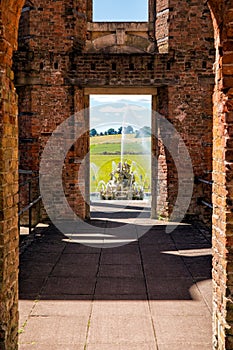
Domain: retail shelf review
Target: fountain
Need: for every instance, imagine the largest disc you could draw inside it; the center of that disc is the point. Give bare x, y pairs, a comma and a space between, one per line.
114, 166
94, 177
122, 184
94, 169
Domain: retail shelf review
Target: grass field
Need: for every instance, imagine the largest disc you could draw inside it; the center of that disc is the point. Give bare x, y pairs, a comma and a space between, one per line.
111, 144
106, 154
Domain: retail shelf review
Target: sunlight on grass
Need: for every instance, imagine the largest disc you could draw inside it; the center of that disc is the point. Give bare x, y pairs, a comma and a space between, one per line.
106, 154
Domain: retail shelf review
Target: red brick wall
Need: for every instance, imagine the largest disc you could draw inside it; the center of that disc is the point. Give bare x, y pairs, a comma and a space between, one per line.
162, 25
53, 66
190, 109
9, 16
48, 32
222, 177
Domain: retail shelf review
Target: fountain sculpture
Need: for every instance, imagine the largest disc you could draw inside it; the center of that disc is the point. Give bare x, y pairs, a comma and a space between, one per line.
122, 185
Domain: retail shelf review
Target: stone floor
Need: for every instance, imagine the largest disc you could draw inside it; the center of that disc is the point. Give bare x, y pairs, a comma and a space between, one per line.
152, 293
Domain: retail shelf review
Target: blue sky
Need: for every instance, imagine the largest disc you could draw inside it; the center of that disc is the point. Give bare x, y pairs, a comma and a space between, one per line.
134, 108
120, 10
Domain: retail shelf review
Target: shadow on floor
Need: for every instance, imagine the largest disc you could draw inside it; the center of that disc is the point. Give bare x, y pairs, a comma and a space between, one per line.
159, 266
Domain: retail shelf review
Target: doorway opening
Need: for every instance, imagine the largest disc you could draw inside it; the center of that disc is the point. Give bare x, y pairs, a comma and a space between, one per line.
120, 154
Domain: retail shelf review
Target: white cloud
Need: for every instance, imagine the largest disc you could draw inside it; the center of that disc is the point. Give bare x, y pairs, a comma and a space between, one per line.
110, 110
120, 98
94, 119
126, 108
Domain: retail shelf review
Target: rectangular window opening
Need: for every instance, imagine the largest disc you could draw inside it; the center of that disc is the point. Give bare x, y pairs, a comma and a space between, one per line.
120, 11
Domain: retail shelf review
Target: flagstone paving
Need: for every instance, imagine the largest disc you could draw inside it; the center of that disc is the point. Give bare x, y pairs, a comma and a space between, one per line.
153, 293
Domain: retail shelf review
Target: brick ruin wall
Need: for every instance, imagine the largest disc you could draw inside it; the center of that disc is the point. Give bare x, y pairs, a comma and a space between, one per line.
52, 63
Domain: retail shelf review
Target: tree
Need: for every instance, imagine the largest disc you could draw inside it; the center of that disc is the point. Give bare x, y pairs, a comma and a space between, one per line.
120, 131
93, 132
111, 131
128, 130
145, 131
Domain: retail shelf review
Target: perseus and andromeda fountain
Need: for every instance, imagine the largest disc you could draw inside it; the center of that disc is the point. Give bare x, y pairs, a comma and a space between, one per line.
122, 184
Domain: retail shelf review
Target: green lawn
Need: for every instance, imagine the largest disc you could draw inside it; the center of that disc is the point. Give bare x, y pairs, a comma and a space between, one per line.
111, 144
115, 148
105, 155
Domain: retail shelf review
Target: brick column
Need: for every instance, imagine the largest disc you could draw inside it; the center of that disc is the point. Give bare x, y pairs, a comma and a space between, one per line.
8, 213
223, 181
81, 155
9, 14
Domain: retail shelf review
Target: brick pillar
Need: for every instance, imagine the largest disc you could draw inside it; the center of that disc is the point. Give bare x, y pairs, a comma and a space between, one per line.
9, 14
162, 25
223, 180
189, 107
8, 213
81, 154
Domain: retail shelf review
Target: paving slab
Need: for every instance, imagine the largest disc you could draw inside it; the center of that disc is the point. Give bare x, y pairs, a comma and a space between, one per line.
72, 308
75, 248
205, 288
185, 346
121, 307
171, 288
75, 270
29, 288
165, 269
65, 297
190, 329
130, 248
79, 259
120, 329
179, 308
69, 285
25, 308
43, 346
53, 330
35, 270
119, 286
38, 257
121, 259
117, 270
126, 346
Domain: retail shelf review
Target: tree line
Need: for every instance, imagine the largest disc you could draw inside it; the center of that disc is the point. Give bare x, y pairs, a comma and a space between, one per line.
145, 131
